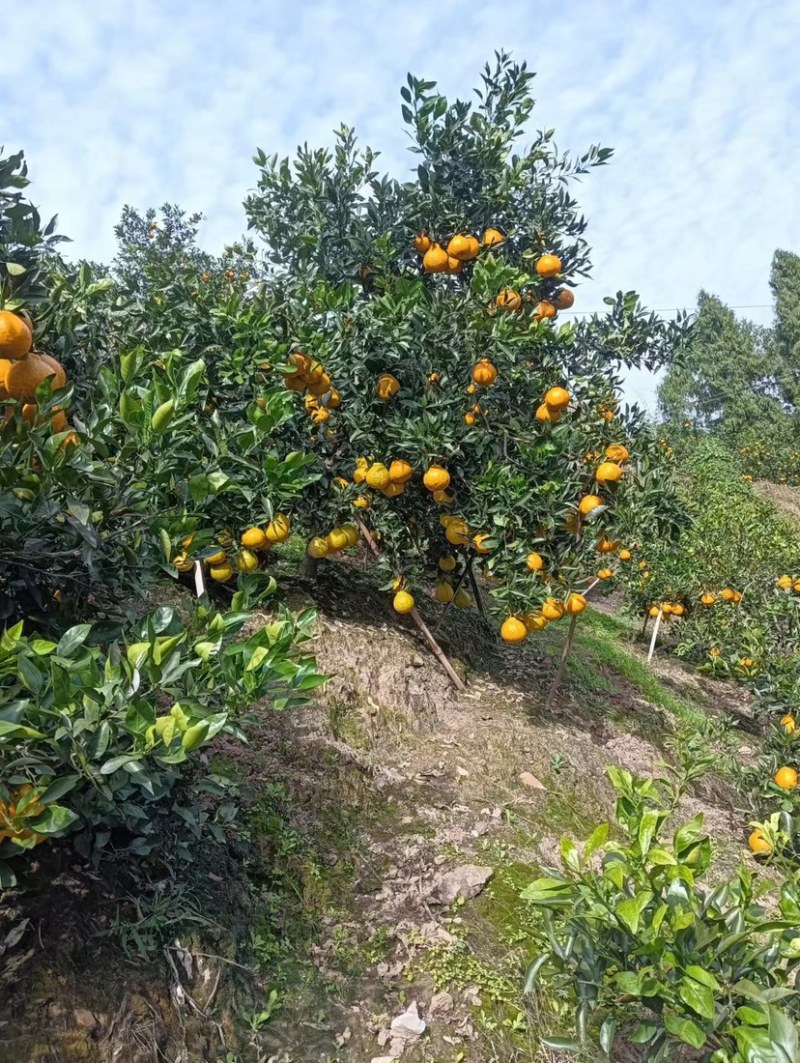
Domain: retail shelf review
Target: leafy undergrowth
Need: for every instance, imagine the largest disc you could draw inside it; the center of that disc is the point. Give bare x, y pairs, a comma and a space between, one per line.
321, 918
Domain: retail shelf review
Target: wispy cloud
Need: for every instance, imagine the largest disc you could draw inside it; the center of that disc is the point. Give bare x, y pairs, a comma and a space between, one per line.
152, 101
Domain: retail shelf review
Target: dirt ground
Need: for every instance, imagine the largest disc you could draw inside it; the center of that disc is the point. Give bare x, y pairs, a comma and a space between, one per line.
385, 832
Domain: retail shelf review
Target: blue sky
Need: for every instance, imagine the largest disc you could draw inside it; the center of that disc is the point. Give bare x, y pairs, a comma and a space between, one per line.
153, 100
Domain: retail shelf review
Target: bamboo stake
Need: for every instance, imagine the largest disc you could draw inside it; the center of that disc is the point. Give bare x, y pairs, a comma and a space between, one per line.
562, 663
656, 627
438, 652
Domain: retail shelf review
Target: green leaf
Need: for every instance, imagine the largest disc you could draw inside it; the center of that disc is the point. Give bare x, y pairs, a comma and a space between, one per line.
72, 639
547, 891
783, 1035
703, 977
699, 997
15, 269
630, 910
116, 763
58, 788
595, 840
685, 1030
53, 820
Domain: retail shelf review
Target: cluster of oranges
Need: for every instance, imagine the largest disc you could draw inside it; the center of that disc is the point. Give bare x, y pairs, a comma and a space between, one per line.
222, 563
388, 480
342, 537
788, 583
461, 248
307, 375
23, 369
727, 595
556, 401
515, 629
667, 609
786, 778
444, 592
13, 814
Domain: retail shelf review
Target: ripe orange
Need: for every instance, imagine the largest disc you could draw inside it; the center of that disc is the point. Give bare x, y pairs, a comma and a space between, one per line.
759, 844
608, 472
183, 562
786, 778
320, 385
552, 609
352, 533
422, 242
221, 573
784, 582
605, 573
277, 531
362, 502
484, 373
492, 237
607, 546
454, 265
378, 476
436, 478
534, 562
457, 532
60, 377
469, 418
15, 336
254, 539
478, 542
557, 399
544, 413
400, 471
443, 498
707, 598
246, 561
318, 547
392, 490
334, 400
388, 386
513, 630
737, 597
617, 452
508, 300
726, 594
746, 662
789, 724
678, 609
435, 259
563, 299
575, 604
25, 375
544, 310
534, 622
403, 602
320, 416
463, 247
624, 555
548, 266
653, 611
58, 422
294, 382
589, 503
337, 539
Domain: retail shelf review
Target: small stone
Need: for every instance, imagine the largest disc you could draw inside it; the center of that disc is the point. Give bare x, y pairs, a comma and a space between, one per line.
527, 779
417, 661
85, 1018
440, 1004
408, 1026
466, 881
471, 996
383, 1059
462, 772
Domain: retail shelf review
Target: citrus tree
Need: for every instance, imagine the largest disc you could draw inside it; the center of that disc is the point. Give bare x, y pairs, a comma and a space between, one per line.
451, 409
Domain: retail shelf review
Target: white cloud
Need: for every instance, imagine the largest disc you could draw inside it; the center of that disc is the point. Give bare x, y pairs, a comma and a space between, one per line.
158, 100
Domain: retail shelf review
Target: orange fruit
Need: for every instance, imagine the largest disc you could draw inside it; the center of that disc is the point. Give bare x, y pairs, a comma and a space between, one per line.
484, 373
746, 662
436, 478
678, 609
278, 529
457, 532
422, 242
447, 564
443, 593
617, 452
388, 386
608, 472
534, 622
789, 724
58, 422
463, 247
607, 546
544, 413
653, 611
23, 377
552, 609
294, 382
759, 844
605, 573
508, 300
589, 503
454, 265
784, 582
60, 377
726, 594
15, 336
378, 476
563, 299
469, 419
534, 562
492, 237
624, 555
254, 539
318, 547
337, 540
392, 490
513, 630
574, 604
320, 385
400, 471
786, 778
246, 561
362, 502
435, 259
463, 599
707, 598
221, 573
544, 310
548, 266
334, 400
737, 597
403, 602
443, 498
479, 540
557, 399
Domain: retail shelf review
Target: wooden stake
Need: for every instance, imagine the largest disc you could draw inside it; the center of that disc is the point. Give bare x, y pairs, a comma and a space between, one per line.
654, 636
562, 663
438, 652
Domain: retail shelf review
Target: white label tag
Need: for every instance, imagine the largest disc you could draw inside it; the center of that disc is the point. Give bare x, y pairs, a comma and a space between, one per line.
199, 581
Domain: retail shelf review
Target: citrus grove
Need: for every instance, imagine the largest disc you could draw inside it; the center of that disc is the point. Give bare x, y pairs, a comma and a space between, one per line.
398, 372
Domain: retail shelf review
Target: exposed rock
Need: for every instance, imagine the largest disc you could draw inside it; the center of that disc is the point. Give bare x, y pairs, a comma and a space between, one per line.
466, 881
527, 779
440, 1004
85, 1018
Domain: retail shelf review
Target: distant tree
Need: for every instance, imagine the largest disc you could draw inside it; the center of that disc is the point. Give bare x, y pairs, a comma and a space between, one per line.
785, 284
